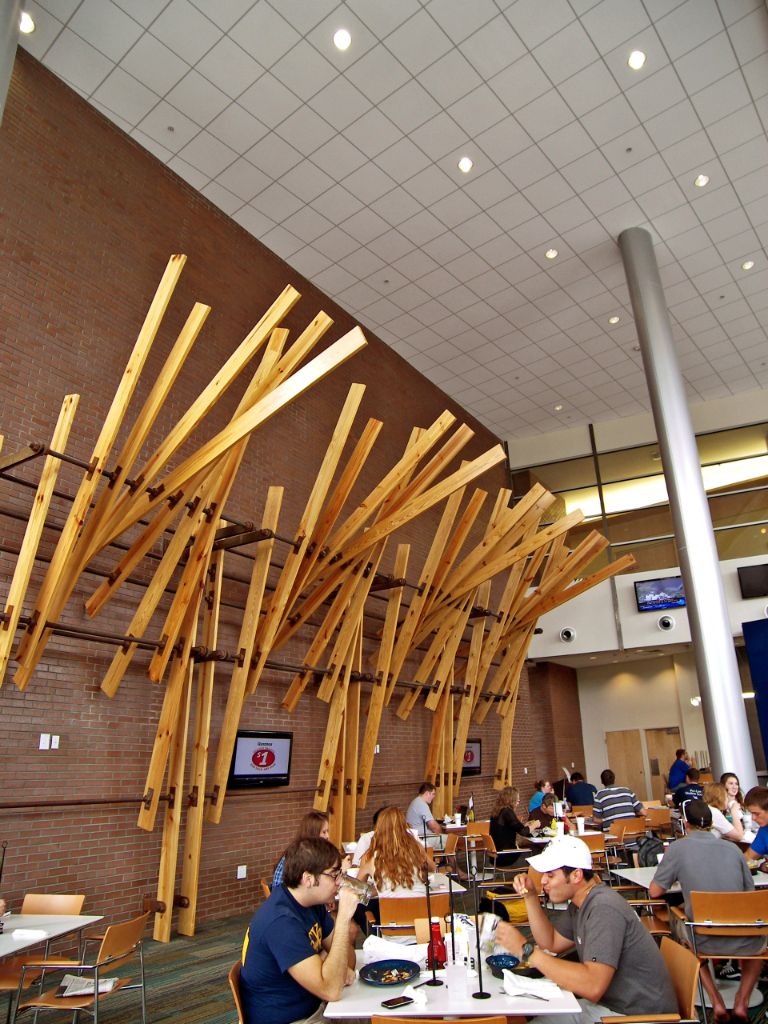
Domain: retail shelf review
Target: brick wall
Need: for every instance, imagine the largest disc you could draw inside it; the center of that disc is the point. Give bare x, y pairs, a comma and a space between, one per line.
88, 223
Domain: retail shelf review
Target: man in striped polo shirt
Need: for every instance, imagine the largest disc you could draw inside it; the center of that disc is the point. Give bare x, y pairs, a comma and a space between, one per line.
614, 801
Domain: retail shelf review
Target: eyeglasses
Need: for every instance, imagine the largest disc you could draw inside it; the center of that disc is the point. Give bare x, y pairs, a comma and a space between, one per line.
335, 875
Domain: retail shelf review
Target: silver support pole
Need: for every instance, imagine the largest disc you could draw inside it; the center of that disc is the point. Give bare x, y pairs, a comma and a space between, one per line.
725, 718
10, 12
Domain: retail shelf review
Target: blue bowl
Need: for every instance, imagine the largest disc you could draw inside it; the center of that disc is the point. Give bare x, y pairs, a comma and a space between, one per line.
500, 962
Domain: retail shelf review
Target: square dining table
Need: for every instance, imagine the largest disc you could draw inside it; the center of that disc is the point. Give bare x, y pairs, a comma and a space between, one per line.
363, 1000
25, 931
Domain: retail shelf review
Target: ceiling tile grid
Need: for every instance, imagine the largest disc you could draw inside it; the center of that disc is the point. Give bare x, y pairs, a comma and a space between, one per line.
499, 284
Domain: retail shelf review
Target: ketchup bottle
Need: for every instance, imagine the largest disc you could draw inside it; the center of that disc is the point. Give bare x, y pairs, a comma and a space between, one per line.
436, 955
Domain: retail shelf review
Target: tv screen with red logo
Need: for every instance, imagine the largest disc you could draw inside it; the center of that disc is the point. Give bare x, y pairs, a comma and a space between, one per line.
472, 758
261, 759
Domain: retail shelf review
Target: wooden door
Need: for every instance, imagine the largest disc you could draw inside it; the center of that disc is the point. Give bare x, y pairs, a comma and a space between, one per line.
661, 745
625, 759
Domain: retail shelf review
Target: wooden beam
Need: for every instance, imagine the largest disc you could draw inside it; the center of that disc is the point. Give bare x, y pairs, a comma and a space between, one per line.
34, 530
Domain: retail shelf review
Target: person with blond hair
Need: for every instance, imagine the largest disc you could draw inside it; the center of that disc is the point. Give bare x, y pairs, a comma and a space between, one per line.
716, 798
396, 861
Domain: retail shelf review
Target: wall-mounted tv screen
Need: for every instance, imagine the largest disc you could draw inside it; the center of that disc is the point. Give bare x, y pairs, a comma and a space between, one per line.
656, 595
753, 580
472, 757
260, 759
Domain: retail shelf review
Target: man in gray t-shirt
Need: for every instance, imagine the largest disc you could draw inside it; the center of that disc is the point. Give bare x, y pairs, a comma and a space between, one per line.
620, 969
703, 862
419, 816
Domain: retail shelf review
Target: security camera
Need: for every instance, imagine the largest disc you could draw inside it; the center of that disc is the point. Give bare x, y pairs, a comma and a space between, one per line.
567, 634
665, 623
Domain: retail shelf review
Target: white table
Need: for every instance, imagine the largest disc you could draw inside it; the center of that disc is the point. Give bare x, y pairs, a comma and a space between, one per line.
361, 1000
47, 927
642, 877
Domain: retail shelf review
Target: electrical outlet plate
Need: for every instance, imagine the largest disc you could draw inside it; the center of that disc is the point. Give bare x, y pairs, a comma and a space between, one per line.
45, 741
242, 871
54, 742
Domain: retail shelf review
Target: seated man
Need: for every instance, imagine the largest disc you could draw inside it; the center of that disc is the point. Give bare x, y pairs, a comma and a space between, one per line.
579, 791
419, 817
620, 969
702, 863
756, 803
679, 768
294, 958
691, 789
614, 801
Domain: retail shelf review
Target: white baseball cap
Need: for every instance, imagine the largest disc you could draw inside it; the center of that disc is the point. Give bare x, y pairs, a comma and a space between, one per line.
563, 852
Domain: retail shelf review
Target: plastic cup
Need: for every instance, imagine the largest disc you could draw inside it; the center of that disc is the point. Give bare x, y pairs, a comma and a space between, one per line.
457, 818
580, 823
560, 828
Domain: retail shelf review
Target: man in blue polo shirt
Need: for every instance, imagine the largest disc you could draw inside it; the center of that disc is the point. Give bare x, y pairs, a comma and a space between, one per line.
756, 802
679, 768
294, 959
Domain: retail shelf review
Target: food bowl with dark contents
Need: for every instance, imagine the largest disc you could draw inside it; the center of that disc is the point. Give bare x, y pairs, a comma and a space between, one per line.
389, 972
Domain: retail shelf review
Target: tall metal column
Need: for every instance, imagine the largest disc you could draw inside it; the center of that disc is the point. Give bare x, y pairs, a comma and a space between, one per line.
10, 12
725, 718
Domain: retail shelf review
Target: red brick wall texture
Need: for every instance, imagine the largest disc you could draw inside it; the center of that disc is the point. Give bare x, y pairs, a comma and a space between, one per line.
88, 223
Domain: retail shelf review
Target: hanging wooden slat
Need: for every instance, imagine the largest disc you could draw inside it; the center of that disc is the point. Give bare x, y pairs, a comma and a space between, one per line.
246, 648
34, 530
193, 831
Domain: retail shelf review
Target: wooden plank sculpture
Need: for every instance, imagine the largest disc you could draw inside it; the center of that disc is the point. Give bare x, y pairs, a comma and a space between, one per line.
466, 647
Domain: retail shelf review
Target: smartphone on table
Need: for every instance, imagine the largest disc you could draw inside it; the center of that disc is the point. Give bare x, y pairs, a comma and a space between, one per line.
396, 1001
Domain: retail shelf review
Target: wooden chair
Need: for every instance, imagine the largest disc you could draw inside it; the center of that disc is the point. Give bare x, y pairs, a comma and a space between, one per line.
35, 903
121, 942
234, 984
628, 833
581, 810
727, 914
398, 913
683, 969
266, 888
478, 828
659, 821
441, 856
492, 858
421, 928
513, 904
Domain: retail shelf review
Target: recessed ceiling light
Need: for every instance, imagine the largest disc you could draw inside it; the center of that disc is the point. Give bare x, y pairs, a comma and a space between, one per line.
613, 319
559, 407
747, 264
701, 180
341, 39
636, 60
551, 254
26, 24
465, 165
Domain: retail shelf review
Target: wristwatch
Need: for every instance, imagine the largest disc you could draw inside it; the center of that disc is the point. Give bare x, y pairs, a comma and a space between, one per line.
528, 948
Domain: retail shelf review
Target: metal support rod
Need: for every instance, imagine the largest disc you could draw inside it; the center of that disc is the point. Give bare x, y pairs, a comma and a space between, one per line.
725, 718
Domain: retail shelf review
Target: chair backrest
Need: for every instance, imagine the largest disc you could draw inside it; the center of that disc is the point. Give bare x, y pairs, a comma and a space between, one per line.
51, 903
403, 910
265, 888
731, 908
421, 927
683, 968
234, 984
658, 815
451, 842
379, 1018
478, 828
623, 828
582, 810
120, 940
595, 843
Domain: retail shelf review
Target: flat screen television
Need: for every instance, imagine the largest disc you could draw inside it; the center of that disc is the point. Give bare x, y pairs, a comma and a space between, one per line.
473, 754
753, 580
656, 595
260, 759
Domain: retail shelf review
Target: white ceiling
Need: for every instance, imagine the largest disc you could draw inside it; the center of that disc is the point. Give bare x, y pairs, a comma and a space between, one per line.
345, 164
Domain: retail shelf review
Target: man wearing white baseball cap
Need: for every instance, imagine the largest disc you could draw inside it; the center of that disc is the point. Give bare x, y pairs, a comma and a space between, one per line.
619, 970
